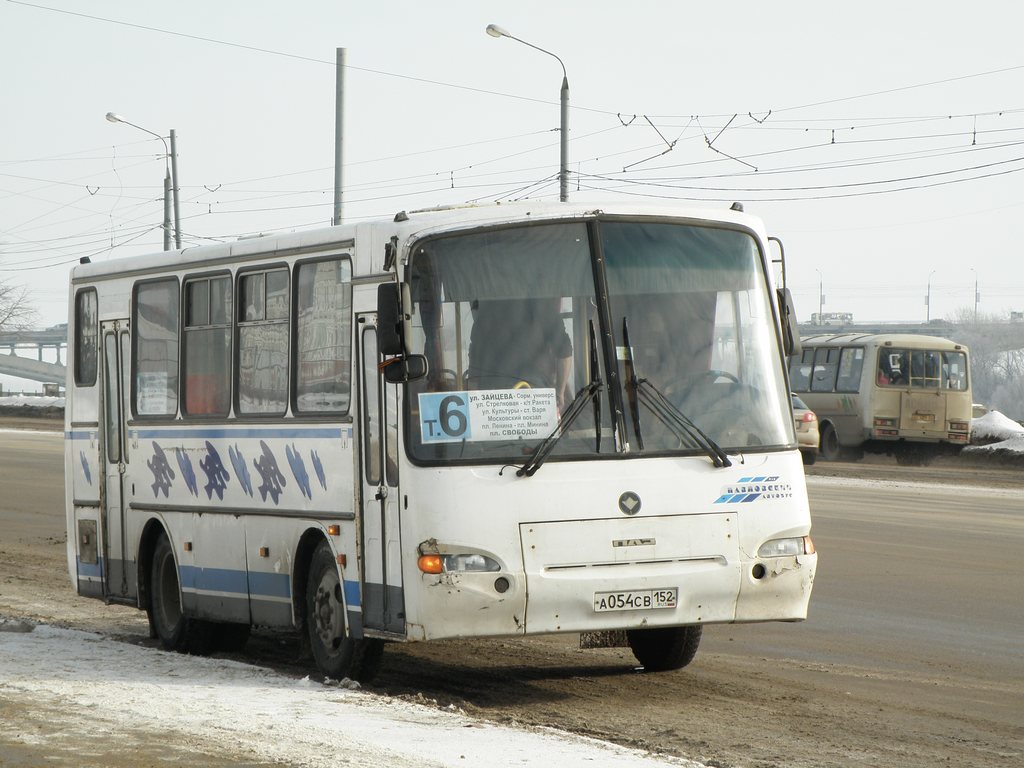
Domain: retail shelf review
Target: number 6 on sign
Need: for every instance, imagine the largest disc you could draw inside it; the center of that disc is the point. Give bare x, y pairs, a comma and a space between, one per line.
444, 417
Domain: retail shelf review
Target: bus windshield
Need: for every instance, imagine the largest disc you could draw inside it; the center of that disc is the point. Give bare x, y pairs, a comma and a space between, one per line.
513, 328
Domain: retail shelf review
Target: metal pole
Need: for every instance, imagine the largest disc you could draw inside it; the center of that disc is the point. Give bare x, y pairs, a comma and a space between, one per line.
928, 299
563, 169
977, 298
339, 131
821, 296
167, 211
563, 174
174, 187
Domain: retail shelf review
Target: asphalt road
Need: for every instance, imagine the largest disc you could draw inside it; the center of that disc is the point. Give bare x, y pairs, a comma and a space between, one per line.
913, 654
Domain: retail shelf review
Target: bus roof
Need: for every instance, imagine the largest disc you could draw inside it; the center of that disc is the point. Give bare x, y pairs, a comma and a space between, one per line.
915, 340
407, 225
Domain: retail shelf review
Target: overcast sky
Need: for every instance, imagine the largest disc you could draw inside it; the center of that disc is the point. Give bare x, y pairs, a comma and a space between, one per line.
880, 140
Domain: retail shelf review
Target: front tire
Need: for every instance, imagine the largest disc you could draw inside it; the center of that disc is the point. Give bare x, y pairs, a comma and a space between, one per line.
336, 655
665, 648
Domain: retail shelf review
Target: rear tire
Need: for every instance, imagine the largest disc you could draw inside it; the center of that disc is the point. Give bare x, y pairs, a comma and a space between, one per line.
830, 448
809, 457
336, 655
173, 629
667, 648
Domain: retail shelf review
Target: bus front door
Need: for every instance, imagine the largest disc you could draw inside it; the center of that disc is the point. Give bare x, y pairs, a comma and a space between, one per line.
383, 596
116, 348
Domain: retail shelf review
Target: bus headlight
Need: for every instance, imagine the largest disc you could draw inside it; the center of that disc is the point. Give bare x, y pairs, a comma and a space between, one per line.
473, 563
790, 547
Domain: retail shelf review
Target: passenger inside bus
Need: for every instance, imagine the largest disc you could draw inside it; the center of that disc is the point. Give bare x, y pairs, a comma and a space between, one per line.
519, 343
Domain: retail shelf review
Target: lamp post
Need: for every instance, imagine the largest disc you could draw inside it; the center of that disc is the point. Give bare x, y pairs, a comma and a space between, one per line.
977, 296
170, 181
821, 296
928, 299
563, 172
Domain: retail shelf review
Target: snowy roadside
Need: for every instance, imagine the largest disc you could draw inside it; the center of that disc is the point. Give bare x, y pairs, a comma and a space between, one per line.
93, 688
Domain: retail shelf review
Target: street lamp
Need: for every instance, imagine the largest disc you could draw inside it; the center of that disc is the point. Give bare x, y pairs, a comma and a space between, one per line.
563, 173
170, 181
928, 299
977, 296
821, 296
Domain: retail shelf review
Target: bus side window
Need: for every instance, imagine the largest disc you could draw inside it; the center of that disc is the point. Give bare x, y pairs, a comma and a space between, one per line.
86, 338
155, 354
207, 358
800, 370
851, 363
826, 365
323, 336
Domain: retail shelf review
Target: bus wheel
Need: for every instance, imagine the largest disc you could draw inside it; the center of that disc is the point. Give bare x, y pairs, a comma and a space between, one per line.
665, 648
830, 448
174, 631
336, 655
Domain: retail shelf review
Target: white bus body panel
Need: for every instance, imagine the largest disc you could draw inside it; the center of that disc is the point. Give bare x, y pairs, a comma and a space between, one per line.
577, 543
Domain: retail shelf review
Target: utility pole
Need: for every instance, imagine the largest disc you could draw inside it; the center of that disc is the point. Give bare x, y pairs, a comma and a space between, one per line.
339, 130
174, 189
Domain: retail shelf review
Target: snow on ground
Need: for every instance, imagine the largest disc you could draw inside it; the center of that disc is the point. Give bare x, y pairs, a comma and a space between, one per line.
237, 709
1002, 435
31, 401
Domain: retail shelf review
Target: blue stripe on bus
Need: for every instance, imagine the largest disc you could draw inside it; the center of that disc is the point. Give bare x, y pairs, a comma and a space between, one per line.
221, 432
79, 435
352, 596
94, 570
257, 584
213, 579
270, 584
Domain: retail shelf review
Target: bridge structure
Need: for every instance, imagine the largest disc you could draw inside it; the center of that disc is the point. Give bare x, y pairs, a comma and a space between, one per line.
25, 349
1006, 337
22, 352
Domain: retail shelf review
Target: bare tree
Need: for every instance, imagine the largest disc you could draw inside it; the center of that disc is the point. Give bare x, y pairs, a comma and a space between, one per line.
16, 313
997, 372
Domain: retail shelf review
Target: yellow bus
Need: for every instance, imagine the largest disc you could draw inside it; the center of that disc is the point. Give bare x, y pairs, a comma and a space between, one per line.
904, 395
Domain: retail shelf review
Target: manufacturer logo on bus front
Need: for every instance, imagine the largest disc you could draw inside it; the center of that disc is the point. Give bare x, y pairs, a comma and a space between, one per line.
748, 489
629, 503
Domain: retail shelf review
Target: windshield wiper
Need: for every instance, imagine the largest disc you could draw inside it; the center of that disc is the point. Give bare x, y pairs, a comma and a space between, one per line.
590, 391
682, 426
632, 385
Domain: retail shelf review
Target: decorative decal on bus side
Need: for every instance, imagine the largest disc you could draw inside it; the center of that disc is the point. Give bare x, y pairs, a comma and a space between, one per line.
273, 480
85, 467
162, 472
241, 471
189, 474
298, 470
216, 475
748, 489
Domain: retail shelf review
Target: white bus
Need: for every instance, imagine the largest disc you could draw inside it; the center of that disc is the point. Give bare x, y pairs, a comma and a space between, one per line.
495, 421
900, 394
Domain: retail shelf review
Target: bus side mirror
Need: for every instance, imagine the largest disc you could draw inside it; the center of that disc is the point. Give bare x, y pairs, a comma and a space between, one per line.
400, 370
790, 331
390, 320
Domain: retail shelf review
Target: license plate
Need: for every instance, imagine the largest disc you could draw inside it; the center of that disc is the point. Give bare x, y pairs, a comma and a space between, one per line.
636, 600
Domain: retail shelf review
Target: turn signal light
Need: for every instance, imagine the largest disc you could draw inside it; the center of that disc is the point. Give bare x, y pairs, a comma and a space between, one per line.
430, 563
